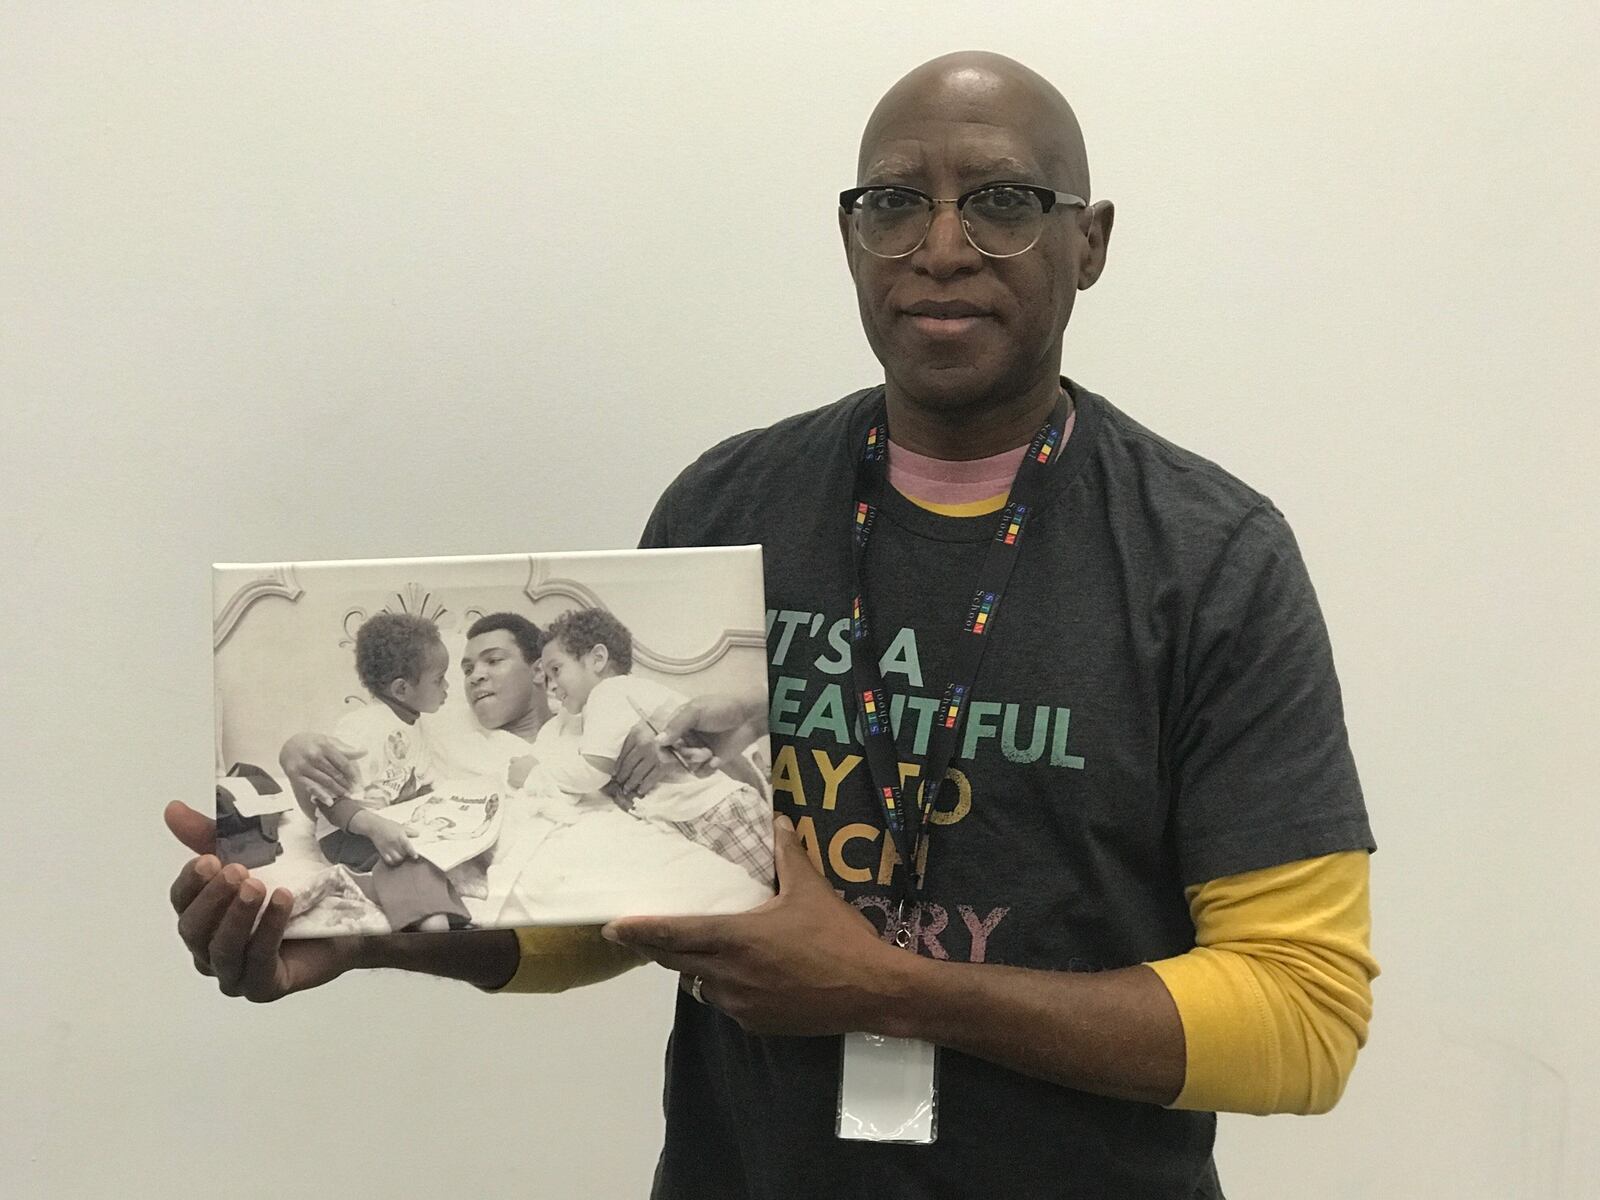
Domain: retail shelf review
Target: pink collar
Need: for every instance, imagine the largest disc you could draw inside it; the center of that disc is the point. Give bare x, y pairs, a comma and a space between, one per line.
942, 481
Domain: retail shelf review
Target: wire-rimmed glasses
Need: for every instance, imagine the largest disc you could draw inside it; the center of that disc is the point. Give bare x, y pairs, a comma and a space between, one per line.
1001, 220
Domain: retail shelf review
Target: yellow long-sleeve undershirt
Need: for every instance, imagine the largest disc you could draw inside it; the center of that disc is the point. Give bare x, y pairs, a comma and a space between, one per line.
1276, 996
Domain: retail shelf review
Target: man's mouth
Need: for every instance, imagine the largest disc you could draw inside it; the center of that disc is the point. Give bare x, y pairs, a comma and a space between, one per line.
946, 309
476, 696
945, 318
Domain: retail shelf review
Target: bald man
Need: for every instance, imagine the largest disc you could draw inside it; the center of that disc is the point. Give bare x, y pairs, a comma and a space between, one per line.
1139, 894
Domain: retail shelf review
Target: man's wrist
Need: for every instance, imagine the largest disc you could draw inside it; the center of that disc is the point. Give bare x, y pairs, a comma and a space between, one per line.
897, 994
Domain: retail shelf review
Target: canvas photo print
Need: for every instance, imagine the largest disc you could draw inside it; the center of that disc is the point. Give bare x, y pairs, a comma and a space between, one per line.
466, 743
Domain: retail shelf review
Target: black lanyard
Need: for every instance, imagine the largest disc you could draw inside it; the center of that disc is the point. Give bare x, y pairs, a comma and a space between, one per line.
883, 758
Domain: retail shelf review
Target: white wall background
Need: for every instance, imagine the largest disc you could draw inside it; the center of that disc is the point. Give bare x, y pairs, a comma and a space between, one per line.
322, 280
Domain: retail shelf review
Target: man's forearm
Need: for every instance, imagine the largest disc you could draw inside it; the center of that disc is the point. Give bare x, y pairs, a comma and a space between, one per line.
1115, 1033
486, 958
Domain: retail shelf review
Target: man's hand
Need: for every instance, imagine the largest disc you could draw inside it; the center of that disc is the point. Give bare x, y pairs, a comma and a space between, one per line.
706, 733
643, 762
320, 767
394, 847
217, 908
803, 964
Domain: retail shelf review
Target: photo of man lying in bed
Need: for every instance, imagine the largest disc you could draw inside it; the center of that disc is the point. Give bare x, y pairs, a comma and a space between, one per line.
489, 771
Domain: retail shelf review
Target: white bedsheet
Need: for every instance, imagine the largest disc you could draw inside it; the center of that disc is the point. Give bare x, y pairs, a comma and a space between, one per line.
588, 863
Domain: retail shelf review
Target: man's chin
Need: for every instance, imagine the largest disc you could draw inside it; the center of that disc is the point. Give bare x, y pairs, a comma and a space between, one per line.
952, 389
489, 714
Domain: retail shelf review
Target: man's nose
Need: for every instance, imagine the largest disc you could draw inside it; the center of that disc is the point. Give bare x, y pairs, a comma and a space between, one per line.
946, 250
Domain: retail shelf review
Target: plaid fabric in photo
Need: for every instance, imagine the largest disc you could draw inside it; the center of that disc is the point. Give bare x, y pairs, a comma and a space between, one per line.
727, 829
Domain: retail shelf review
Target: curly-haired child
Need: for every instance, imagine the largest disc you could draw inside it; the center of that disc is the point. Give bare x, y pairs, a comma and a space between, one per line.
402, 662
588, 659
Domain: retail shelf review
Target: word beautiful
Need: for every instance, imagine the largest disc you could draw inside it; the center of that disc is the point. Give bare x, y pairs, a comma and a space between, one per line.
804, 706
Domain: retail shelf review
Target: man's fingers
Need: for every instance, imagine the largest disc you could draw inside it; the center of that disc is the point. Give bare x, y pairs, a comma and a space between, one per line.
680, 724
227, 949
708, 986
704, 965
191, 881
321, 783
197, 924
695, 756
637, 772
261, 980
338, 759
350, 752
670, 935
195, 830
339, 778
795, 868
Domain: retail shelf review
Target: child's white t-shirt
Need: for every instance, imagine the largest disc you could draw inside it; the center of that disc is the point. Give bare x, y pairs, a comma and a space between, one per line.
394, 751
561, 760
611, 712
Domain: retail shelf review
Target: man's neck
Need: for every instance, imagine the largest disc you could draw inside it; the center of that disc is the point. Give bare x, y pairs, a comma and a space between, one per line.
527, 726
979, 430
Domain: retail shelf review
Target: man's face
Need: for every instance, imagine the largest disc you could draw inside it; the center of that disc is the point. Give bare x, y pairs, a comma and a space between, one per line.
953, 327
429, 692
501, 684
572, 677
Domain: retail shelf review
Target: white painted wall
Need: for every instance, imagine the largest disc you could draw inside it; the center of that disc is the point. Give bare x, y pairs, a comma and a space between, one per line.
309, 281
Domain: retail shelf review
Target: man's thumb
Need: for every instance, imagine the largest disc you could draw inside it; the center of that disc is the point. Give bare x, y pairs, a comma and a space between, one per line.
795, 868
195, 830
679, 725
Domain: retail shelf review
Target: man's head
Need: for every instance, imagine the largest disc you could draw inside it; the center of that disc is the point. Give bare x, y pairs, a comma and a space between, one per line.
501, 666
402, 658
585, 646
954, 328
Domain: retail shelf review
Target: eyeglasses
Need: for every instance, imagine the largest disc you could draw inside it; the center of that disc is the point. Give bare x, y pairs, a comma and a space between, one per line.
1001, 220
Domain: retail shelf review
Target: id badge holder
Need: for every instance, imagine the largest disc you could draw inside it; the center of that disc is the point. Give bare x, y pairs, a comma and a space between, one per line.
888, 1086
888, 1090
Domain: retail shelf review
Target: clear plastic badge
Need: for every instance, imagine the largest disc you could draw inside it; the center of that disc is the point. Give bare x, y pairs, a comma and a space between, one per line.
888, 1090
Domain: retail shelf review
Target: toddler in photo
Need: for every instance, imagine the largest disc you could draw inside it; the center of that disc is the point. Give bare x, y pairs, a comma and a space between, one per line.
402, 662
588, 659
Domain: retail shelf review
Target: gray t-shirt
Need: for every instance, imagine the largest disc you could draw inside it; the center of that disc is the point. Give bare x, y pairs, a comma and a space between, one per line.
1157, 707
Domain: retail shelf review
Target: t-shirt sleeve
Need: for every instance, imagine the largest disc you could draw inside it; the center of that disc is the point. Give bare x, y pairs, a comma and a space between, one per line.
1260, 754
608, 716
657, 535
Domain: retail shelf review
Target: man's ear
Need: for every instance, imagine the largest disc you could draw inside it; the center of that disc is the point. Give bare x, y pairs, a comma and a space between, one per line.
1095, 241
849, 242
599, 656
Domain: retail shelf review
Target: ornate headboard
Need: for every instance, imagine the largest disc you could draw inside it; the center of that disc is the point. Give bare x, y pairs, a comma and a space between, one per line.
283, 634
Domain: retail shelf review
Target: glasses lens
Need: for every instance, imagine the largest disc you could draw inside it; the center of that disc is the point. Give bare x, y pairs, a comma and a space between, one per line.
891, 221
1003, 220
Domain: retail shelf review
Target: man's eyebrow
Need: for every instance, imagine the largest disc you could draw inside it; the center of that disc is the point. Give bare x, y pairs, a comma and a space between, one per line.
1003, 167
985, 170
890, 168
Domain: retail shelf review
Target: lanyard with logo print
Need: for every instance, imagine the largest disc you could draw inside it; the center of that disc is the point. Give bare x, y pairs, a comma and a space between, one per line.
888, 1087
906, 811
